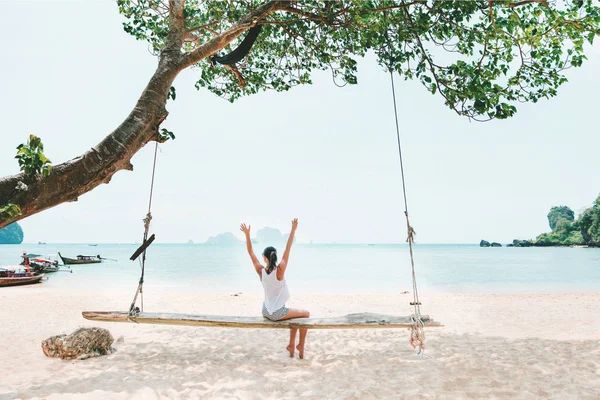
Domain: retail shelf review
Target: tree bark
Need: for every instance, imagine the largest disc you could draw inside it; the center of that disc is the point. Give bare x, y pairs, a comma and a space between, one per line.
71, 179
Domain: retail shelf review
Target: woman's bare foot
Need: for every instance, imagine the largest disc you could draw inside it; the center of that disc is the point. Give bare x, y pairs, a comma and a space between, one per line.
290, 348
300, 351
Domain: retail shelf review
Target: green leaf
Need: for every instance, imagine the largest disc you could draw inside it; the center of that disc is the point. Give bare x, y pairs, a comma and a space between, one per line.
166, 134
31, 158
10, 211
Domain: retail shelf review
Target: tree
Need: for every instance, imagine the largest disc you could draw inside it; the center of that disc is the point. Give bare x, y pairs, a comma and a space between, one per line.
567, 232
589, 224
560, 239
564, 225
564, 230
482, 57
560, 212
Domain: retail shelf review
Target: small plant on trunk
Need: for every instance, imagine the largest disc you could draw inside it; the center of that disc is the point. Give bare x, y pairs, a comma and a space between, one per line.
32, 159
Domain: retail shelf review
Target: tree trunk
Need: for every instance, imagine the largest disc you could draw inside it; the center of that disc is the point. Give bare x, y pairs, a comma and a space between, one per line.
69, 180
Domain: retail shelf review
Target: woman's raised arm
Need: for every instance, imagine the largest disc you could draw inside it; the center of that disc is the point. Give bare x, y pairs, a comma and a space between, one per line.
255, 262
286, 254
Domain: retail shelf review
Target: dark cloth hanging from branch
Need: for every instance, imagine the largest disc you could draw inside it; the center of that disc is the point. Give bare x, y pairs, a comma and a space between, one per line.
241, 51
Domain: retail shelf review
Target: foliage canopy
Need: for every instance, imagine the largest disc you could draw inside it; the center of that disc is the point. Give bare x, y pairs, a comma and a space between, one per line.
482, 56
560, 212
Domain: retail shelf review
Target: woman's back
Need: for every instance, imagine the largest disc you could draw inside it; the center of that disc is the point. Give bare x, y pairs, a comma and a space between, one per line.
276, 291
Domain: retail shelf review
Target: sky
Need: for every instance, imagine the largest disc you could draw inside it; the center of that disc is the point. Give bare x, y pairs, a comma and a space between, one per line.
324, 154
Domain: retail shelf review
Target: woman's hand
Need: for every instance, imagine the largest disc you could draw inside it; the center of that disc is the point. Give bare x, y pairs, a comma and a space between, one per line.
294, 224
245, 229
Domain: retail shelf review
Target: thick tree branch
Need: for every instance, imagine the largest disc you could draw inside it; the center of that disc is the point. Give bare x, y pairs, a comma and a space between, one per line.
218, 42
71, 179
176, 26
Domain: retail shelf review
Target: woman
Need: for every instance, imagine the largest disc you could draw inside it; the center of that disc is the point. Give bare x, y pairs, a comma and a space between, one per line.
276, 291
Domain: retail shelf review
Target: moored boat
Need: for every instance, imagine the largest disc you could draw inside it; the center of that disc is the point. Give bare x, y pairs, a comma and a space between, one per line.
80, 259
39, 264
18, 275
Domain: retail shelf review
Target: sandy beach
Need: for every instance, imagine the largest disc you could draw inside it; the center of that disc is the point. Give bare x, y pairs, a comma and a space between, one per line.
492, 346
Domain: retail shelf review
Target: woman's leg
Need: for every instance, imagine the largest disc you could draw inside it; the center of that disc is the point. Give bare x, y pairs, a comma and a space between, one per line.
300, 346
297, 313
290, 346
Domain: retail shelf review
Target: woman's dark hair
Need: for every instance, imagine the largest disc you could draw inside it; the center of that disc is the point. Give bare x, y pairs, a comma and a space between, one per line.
271, 254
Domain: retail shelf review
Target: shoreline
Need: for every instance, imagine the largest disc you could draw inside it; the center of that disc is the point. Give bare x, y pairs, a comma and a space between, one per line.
491, 345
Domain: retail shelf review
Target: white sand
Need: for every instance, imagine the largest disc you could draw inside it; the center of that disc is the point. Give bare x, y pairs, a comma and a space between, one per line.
492, 346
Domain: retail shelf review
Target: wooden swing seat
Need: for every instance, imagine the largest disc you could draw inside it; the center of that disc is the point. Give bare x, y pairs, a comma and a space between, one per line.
350, 321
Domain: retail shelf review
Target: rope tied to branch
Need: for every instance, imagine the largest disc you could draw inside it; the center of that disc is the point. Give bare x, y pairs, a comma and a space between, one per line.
133, 310
417, 331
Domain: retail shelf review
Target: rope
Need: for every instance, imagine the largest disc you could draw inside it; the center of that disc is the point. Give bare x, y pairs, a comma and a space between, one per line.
133, 310
417, 331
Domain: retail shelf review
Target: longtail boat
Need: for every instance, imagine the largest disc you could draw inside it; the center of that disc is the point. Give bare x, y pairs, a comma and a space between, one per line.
81, 259
39, 263
19, 275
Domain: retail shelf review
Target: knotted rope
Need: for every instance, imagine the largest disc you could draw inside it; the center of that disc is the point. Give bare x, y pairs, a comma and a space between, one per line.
133, 310
417, 331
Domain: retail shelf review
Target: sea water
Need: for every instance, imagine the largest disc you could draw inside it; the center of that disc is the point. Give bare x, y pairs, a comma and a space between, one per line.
329, 268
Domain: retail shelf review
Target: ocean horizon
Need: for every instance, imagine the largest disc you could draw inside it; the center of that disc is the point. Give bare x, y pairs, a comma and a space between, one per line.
329, 268
254, 243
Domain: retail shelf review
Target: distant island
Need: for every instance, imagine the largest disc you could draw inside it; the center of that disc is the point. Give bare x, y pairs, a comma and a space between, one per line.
12, 234
568, 231
269, 236
226, 238
266, 236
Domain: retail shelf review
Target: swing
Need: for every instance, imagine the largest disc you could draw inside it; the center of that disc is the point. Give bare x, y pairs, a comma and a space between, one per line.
350, 321
415, 322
